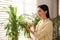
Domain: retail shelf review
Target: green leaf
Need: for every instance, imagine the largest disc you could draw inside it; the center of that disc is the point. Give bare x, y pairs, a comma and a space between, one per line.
26, 33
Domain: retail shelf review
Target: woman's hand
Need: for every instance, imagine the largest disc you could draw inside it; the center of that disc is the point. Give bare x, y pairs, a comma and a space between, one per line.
29, 29
31, 24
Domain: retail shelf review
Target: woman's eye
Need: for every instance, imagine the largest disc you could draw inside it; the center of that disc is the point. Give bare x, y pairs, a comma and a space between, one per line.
39, 11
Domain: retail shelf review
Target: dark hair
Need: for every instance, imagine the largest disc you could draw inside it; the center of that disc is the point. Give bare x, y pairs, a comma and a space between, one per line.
45, 8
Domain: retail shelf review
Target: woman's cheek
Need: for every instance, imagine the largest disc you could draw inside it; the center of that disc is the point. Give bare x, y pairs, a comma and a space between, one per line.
38, 13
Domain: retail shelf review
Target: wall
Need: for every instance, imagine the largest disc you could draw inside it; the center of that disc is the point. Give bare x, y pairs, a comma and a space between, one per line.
59, 7
59, 14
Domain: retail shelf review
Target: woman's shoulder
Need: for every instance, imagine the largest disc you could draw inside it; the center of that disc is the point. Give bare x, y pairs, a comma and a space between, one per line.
50, 21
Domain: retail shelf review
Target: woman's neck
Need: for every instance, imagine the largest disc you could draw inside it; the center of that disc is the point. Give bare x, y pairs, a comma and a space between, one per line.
44, 18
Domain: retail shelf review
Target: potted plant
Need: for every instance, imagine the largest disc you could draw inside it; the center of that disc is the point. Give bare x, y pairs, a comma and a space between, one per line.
12, 28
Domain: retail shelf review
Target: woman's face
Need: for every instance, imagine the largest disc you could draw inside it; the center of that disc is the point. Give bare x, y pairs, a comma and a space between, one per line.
41, 12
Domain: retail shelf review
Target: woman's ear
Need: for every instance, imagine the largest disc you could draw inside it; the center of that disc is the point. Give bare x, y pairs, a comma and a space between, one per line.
45, 11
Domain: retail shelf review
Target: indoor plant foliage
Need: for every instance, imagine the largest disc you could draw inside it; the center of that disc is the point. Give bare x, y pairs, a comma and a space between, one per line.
23, 25
56, 21
24, 22
12, 26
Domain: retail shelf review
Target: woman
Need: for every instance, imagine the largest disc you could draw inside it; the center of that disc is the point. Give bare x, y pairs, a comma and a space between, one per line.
44, 28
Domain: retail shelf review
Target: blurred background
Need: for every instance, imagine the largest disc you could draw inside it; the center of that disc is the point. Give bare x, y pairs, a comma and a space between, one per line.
28, 7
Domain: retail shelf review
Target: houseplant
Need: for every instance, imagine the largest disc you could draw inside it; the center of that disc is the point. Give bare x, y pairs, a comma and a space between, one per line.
25, 24
12, 26
56, 23
15, 24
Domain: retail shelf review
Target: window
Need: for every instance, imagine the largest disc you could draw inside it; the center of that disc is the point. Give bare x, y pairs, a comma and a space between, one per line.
25, 6
3, 18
